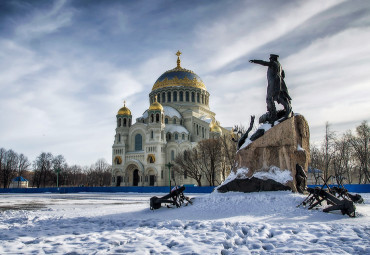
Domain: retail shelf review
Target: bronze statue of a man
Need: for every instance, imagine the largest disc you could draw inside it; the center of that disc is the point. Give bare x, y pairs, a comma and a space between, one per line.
276, 89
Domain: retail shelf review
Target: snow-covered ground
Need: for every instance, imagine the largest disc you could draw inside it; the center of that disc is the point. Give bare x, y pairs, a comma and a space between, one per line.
231, 223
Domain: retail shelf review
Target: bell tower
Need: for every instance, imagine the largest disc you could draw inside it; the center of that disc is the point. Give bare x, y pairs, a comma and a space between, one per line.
124, 121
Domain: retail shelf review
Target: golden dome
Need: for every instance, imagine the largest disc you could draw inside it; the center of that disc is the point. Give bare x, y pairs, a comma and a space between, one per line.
179, 77
156, 106
215, 127
124, 110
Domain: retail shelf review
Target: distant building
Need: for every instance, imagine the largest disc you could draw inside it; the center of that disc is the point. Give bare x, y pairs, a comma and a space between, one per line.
178, 117
19, 182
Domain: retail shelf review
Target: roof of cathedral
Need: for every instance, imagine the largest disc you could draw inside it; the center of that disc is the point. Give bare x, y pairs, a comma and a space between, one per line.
171, 112
124, 110
179, 77
172, 128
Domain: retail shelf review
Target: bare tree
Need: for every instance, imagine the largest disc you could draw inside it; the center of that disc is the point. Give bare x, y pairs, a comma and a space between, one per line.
360, 144
187, 163
23, 165
42, 166
9, 166
317, 162
59, 166
99, 174
343, 163
2, 165
228, 155
210, 157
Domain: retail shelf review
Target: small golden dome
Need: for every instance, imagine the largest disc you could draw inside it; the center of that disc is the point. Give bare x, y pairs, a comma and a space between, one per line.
156, 106
215, 128
124, 110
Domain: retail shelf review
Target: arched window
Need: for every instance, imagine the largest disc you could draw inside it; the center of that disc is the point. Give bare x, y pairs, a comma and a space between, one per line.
166, 120
138, 142
119, 122
152, 118
187, 96
181, 96
124, 122
176, 136
152, 134
192, 97
185, 174
197, 128
168, 96
175, 96
174, 121
198, 98
172, 155
183, 136
168, 136
119, 138
163, 97
159, 98
162, 174
129, 122
157, 117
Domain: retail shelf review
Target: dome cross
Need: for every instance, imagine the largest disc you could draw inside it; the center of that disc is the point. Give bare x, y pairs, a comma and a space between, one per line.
178, 53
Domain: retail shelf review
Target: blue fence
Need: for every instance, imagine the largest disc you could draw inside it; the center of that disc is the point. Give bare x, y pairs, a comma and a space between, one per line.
353, 188
189, 189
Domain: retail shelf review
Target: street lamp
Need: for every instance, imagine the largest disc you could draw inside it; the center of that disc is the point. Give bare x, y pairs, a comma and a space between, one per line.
58, 170
169, 165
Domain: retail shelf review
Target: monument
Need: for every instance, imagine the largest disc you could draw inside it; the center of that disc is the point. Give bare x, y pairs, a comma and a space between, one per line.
276, 156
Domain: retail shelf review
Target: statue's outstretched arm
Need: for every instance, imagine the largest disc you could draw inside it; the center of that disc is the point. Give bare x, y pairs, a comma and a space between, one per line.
260, 62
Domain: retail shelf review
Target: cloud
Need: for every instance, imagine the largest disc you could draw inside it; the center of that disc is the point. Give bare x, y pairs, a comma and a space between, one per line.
66, 67
45, 21
246, 35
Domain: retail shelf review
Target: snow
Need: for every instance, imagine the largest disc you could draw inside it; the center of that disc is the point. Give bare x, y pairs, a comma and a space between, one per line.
206, 119
172, 128
276, 174
145, 115
241, 173
264, 126
230, 223
171, 112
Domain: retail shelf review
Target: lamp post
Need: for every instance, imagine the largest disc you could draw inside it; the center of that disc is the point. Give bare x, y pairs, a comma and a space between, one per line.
58, 170
169, 165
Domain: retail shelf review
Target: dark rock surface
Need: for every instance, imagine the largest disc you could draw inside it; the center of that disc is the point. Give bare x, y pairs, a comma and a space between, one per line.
252, 185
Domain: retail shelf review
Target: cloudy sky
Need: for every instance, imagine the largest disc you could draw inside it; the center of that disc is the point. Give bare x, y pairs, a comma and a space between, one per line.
67, 66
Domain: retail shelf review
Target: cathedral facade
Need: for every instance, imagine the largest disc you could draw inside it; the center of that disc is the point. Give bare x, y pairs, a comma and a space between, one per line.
178, 117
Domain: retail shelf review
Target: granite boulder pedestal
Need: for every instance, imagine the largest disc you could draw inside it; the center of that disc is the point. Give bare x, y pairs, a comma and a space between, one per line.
278, 160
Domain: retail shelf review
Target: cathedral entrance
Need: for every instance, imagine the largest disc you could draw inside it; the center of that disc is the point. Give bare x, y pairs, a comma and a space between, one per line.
119, 180
136, 177
151, 180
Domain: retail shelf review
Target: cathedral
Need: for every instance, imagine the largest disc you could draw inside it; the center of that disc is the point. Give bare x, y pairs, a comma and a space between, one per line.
178, 117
